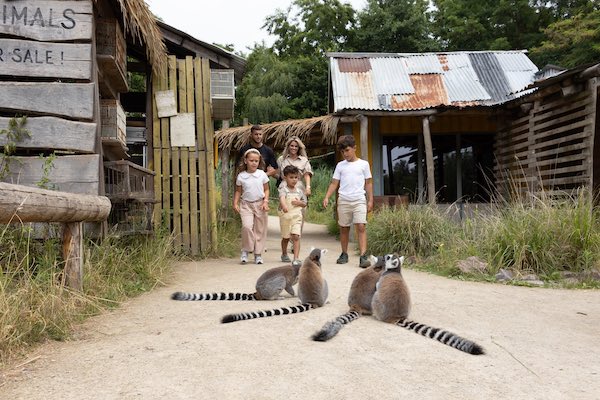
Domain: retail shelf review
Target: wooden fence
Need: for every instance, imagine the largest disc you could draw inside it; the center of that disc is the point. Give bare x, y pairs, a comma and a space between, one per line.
184, 183
28, 204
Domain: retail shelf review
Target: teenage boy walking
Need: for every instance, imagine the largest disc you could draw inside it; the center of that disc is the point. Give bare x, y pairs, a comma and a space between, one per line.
353, 180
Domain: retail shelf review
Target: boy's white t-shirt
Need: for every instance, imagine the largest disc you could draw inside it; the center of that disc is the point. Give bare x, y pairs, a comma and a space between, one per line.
252, 184
352, 177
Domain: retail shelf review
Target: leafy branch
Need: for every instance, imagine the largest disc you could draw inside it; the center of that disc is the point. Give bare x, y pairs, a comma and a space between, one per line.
15, 132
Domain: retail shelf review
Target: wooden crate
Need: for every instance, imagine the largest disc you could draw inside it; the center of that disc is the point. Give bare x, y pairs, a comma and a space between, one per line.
111, 53
124, 180
113, 120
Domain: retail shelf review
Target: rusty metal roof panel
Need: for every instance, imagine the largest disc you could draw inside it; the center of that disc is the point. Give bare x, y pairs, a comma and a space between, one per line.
390, 76
430, 92
352, 90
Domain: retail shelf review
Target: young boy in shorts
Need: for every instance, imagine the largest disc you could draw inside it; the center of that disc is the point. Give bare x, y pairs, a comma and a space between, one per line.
291, 202
353, 178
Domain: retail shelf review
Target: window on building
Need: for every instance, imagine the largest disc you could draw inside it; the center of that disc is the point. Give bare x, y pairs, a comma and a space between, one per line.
401, 159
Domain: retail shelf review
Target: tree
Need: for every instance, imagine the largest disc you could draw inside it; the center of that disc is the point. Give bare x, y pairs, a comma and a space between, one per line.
289, 80
394, 26
570, 42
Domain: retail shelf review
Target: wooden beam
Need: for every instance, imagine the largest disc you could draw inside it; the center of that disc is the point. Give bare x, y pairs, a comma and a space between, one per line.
364, 137
20, 203
429, 161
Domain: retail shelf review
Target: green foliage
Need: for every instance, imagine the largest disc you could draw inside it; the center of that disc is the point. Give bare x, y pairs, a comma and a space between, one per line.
47, 166
570, 42
36, 305
14, 134
400, 26
414, 231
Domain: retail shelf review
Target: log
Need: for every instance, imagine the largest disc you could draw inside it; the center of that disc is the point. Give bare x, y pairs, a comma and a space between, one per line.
429, 161
72, 247
29, 204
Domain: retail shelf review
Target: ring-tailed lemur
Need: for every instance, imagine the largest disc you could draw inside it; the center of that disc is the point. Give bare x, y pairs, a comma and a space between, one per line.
359, 300
391, 303
312, 291
268, 287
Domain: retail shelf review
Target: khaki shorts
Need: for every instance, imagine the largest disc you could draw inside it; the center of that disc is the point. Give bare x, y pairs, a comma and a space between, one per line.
290, 223
351, 212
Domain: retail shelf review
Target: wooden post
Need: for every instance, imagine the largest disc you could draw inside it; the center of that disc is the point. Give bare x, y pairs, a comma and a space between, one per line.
420, 178
72, 254
429, 161
224, 156
364, 137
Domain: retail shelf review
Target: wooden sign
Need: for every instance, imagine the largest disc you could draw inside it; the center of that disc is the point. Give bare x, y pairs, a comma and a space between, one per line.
183, 133
75, 100
166, 103
73, 174
54, 60
47, 20
55, 133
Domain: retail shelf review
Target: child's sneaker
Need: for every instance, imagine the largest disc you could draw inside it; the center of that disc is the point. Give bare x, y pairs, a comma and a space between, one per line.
296, 263
343, 258
364, 261
258, 260
244, 257
285, 258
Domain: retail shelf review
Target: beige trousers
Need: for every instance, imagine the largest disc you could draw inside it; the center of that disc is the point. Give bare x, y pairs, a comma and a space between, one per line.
254, 226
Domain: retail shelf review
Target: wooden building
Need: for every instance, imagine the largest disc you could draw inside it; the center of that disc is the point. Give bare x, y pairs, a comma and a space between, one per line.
92, 77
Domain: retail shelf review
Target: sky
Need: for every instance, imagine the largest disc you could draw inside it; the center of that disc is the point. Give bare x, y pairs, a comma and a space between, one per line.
237, 22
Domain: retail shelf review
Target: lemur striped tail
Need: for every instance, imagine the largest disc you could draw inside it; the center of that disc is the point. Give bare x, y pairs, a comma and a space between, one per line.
266, 313
183, 296
443, 336
331, 328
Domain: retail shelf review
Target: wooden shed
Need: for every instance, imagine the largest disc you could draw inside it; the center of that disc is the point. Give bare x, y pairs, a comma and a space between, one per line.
94, 79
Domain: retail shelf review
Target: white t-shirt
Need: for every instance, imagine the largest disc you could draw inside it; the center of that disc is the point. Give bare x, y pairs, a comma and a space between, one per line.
352, 177
252, 184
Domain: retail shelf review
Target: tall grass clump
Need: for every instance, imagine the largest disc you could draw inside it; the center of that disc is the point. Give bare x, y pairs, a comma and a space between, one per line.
413, 231
36, 305
543, 235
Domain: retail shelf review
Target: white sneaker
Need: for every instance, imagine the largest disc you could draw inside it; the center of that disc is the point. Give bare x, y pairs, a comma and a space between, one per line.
244, 257
258, 260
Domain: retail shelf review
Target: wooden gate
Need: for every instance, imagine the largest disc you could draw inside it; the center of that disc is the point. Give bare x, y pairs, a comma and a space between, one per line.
184, 183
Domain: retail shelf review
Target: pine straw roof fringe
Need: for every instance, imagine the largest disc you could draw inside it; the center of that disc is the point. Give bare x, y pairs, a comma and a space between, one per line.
279, 132
141, 23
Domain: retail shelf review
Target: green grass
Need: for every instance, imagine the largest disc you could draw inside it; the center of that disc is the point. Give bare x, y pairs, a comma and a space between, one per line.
36, 305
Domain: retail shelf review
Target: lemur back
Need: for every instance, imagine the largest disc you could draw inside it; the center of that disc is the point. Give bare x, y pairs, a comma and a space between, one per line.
359, 300
312, 291
268, 287
391, 303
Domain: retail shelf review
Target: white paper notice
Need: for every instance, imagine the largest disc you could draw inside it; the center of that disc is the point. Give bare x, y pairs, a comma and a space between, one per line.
183, 133
165, 103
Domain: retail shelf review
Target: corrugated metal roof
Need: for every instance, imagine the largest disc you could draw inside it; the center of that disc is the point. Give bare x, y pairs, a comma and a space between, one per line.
401, 82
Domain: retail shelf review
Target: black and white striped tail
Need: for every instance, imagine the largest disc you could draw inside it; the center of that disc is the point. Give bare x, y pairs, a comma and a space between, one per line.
266, 313
183, 296
331, 328
441, 335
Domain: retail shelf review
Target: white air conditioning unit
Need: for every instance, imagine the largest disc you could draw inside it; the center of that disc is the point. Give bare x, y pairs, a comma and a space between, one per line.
222, 93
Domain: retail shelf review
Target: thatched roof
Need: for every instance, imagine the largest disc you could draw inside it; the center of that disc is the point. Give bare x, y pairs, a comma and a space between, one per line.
319, 131
139, 21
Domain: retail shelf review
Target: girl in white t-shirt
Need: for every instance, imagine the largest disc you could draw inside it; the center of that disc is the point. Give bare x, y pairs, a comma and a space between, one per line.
251, 201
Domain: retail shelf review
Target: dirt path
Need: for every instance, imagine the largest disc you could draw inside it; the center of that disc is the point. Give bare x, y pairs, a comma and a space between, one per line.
540, 343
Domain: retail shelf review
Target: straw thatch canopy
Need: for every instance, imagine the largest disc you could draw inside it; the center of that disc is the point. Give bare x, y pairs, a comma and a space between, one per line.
314, 132
141, 24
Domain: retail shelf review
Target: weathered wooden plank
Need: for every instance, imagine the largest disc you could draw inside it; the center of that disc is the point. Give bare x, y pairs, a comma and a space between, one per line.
175, 164
588, 111
72, 250
184, 153
75, 100
559, 160
55, 133
20, 203
38, 59
156, 162
568, 180
47, 20
542, 111
193, 162
73, 174
582, 134
209, 140
557, 151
